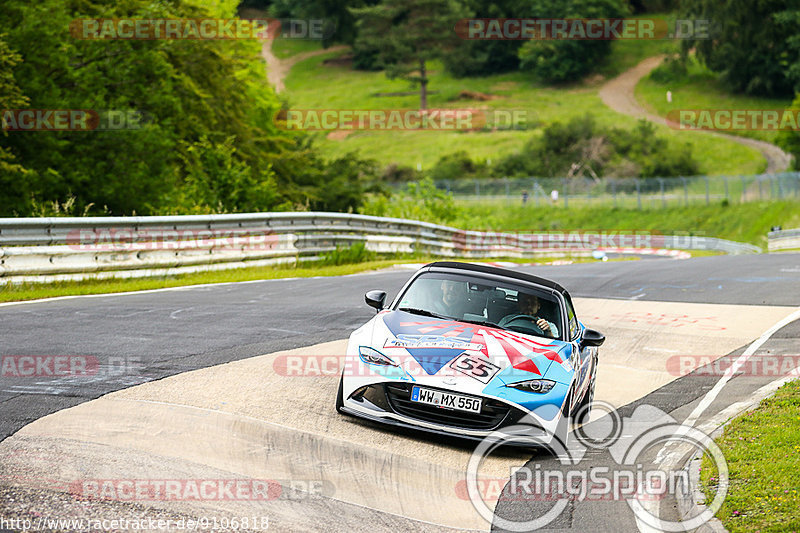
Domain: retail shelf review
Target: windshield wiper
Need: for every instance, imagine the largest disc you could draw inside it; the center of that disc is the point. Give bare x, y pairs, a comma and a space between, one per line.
423, 312
482, 323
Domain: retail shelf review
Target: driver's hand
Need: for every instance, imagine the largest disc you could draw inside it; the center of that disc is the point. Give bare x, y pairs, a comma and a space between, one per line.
544, 325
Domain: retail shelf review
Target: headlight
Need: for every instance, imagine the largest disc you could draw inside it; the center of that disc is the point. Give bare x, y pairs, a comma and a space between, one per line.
541, 386
371, 356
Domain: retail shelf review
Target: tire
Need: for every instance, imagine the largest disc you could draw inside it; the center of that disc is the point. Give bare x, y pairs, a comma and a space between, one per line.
584, 408
339, 396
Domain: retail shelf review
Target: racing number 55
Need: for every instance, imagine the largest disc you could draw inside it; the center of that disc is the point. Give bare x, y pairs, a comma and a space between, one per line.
474, 367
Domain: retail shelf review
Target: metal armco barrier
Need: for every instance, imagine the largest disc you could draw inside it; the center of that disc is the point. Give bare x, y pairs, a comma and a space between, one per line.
788, 239
73, 248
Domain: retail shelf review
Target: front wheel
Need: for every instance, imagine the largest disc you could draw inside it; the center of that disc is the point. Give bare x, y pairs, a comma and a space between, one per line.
584, 408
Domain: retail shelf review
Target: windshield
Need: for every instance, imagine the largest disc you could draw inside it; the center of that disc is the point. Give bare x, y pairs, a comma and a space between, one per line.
467, 299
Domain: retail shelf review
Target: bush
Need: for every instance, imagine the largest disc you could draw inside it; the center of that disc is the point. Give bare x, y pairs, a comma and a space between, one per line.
457, 165
418, 201
672, 69
355, 253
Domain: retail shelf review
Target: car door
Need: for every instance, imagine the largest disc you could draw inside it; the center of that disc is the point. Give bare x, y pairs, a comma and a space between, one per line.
581, 359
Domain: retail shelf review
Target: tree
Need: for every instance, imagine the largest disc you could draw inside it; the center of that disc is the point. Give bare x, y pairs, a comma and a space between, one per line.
567, 60
754, 45
15, 189
407, 35
481, 57
211, 143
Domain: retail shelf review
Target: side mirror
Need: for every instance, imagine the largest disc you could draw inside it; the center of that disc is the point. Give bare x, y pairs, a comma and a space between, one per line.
375, 299
592, 337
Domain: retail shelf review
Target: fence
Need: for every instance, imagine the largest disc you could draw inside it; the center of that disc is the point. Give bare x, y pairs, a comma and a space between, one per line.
69, 248
641, 193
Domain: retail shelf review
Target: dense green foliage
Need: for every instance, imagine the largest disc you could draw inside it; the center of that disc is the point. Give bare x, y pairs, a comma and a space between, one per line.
483, 57
754, 45
566, 59
581, 148
211, 144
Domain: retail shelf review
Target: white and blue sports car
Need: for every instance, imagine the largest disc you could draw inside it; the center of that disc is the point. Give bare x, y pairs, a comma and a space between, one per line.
469, 349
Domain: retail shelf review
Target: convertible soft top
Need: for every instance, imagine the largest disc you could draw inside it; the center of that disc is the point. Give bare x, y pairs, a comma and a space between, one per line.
497, 271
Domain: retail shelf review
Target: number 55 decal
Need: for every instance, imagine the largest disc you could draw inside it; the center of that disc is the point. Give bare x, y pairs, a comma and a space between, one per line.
474, 367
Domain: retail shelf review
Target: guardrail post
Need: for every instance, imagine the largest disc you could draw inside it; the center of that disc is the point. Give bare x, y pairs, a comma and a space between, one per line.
685, 192
638, 194
614, 191
566, 200
743, 196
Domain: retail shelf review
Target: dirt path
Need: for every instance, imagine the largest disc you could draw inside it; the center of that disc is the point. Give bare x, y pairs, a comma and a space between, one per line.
277, 69
618, 94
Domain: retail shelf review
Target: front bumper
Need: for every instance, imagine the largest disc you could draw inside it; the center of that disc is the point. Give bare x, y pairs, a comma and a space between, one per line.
389, 403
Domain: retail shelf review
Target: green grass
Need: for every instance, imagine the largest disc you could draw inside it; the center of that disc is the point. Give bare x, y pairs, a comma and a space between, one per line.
747, 222
761, 448
701, 89
314, 85
283, 48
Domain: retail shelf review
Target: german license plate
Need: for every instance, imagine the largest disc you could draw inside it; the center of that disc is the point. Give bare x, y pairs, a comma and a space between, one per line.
445, 399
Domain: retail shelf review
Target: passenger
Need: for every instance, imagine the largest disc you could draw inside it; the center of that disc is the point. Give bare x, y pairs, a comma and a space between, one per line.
453, 299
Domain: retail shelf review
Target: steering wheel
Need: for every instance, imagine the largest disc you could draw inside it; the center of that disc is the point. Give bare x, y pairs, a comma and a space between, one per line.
524, 324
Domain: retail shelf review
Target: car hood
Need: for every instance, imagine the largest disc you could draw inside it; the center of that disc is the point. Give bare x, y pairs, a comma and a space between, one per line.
428, 347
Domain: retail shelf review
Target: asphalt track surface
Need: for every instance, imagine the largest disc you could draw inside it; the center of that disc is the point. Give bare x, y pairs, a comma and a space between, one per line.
162, 333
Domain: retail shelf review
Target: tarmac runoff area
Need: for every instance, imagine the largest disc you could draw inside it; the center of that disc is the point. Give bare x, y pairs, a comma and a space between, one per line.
246, 421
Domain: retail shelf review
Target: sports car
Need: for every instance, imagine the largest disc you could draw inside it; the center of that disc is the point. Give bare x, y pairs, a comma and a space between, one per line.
467, 350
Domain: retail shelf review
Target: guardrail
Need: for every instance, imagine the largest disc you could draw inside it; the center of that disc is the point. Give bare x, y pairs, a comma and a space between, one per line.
787, 239
53, 249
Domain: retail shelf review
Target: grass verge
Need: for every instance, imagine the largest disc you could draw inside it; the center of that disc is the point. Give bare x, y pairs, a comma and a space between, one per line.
37, 291
762, 449
747, 222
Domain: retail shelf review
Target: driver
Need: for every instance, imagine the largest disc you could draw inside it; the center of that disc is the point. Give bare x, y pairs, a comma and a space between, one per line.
529, 305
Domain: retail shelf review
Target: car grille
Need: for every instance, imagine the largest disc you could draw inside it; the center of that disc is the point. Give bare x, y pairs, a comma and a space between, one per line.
493, 412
